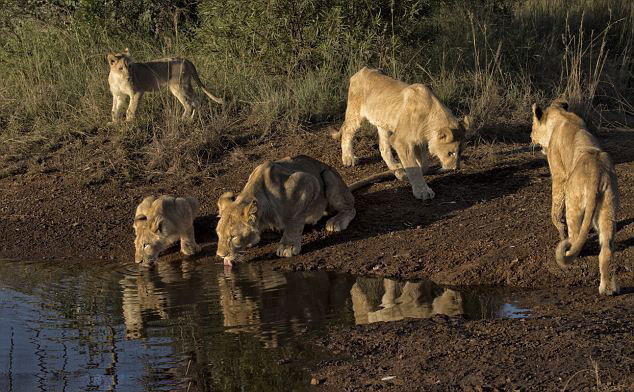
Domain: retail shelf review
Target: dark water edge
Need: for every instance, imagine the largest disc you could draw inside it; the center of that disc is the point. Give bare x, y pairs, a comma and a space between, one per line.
189, 325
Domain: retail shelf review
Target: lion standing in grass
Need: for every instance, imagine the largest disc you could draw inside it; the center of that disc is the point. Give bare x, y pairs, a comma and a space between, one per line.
129, 79
410, 119
584, 185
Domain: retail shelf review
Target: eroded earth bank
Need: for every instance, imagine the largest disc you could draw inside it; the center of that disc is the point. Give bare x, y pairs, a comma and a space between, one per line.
488, 225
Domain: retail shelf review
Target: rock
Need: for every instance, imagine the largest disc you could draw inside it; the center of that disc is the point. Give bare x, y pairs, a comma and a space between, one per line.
317, 381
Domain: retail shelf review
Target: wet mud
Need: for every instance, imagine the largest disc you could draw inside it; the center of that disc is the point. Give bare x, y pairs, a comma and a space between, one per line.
488, 225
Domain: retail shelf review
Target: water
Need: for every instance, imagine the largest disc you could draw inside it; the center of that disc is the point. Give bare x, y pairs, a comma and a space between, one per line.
190, 325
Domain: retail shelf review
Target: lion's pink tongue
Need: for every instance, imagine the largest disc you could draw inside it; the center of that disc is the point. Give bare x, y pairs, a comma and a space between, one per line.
228, 262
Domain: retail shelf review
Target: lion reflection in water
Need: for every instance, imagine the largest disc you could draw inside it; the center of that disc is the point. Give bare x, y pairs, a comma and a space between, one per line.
402, 300
272, 307
151, 293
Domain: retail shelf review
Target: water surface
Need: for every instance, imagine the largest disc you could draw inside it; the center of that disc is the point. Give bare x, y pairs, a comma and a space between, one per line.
190, 325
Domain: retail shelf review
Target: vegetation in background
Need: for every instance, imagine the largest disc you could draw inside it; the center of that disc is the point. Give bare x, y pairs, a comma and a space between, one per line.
284, 64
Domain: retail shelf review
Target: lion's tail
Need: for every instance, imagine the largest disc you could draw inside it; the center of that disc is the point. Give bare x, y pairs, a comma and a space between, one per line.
567, 251
202, 86
383, 176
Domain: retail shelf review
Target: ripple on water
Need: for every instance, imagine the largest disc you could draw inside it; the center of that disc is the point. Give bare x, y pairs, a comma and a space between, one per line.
85, 326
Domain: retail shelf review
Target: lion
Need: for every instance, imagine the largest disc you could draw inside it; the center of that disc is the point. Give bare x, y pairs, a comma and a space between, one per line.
285, 195
404, 300
583, 184
130, 79
160, 222
410, 119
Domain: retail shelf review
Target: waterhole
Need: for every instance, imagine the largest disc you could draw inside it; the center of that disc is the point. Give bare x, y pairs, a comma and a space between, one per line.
194, 326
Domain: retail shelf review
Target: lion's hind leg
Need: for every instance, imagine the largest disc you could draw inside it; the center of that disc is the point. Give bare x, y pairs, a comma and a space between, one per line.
186, 96
302, 189
340, 199
350, 125
605, 224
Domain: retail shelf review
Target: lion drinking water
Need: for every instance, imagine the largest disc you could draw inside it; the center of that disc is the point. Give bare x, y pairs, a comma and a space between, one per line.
285, 195
160, 222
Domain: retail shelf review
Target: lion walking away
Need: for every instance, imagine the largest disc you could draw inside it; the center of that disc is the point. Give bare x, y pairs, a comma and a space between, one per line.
583, 184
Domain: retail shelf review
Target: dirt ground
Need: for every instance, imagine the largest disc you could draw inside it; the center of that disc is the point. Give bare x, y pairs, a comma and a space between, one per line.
488, 225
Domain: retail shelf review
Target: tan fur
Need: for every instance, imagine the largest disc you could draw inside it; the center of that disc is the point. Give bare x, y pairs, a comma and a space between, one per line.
410, 119
283, 195
584, 185
416, 300
129, 79
160, 222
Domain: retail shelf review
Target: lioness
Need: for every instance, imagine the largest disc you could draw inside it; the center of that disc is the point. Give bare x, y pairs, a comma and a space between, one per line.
410, 119
584, 184
284, 195
160, 222
131, 79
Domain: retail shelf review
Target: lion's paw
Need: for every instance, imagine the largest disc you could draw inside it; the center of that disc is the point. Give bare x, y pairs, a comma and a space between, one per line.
608, 288
334, 225
190, 248
349, 160
424, 194
288, 250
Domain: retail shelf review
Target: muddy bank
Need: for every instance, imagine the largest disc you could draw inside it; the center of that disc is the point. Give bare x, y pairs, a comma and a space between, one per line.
573, 342
488, 225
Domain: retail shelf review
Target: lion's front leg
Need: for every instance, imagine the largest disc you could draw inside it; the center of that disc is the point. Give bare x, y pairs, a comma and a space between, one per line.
557, 209
118, 101
291, 242
188, 243
407, 154
135, 100
386, 153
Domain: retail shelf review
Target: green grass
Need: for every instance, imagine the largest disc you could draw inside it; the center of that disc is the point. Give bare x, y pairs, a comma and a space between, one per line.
285, 65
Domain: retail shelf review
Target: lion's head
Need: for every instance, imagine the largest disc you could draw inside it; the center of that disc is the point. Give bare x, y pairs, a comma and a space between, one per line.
540, 131
447, 144
119, 61
237, 228
154, 232
449, 303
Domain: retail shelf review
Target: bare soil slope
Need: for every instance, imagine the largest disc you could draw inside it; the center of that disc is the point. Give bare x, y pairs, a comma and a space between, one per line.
488, 225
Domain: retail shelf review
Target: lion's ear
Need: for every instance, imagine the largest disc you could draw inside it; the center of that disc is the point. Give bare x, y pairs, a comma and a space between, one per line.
537, 112
466, 123
158, 227
111, 58
445, 134
126, 51
561, 103
250, 211
224, 200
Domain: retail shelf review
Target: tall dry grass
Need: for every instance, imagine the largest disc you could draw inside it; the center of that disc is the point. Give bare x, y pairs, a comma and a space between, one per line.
490, 60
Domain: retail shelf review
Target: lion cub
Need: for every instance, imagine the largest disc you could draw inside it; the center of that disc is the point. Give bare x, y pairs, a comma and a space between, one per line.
584, 185
160, 222
129, 79
283, 195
